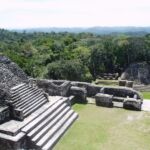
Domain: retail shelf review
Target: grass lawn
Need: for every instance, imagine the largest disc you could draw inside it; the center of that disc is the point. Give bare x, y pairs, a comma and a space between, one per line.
99, 128
146, 95
106, 82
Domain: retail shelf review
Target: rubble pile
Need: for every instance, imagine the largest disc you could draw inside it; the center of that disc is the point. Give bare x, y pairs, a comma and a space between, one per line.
10, 73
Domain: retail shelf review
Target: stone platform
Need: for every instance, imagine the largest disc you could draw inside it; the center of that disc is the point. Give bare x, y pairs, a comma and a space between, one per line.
42, 127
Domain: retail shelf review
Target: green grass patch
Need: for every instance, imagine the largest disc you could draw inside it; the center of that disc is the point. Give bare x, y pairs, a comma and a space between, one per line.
99, 128
146, 95
106, 82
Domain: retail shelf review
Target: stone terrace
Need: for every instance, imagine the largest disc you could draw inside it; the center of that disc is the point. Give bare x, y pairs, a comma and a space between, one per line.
42, 120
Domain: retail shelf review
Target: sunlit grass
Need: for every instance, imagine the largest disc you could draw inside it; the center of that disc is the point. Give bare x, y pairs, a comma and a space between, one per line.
99, 128
146, 95
106, 82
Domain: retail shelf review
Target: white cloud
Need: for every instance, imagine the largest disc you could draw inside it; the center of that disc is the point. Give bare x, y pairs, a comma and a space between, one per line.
60, 13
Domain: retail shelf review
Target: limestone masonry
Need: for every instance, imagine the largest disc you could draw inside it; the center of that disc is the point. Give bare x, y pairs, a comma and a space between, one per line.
35, 113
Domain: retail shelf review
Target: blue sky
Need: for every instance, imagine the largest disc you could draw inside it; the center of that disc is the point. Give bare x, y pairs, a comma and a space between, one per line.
73, 13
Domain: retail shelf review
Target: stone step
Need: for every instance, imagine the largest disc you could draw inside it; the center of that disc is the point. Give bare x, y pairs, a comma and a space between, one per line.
42, 116
28, 100
24, 94
24, 87
34, 105
11, 139
20, 93
18, 86
52, 130
47, 120
24, 99
50, 124
50, 144
16, 98
41, 133
31, 102
33, 108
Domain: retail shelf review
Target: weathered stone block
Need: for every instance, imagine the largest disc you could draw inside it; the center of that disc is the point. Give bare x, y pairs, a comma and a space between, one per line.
71, 100
54, 88
104, 100
4, 114
122, 82
8, 143
4, 94
18, 114
79, 93
129, 84
92, 90
122, 92
132, 103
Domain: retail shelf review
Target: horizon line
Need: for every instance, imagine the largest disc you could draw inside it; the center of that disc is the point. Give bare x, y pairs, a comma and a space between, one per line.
83, 27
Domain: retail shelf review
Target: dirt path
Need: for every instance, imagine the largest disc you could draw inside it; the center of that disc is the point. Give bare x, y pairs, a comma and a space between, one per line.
146, 105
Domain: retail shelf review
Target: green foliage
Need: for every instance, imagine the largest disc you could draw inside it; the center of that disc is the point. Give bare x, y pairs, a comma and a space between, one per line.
72, 56
68, 69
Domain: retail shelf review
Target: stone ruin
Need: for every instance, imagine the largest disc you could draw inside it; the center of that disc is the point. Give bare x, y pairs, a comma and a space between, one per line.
108, 76
10, 73
35, 113
53, 87
29, 118
104, 95
137, 72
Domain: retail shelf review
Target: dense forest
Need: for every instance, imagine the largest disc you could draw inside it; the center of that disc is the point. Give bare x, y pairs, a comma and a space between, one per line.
73, 56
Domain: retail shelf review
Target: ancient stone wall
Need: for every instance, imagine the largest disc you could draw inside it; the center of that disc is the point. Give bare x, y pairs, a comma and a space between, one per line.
122, 92
10, 73
54, 88
91, 89
4, 94
137, 72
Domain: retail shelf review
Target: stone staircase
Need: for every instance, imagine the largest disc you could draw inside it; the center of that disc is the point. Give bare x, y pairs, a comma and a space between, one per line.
44, 131
42, 122
25, 100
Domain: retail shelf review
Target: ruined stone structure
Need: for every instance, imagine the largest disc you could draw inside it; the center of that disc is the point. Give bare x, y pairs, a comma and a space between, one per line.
31, 120
10, 73
108, 76
126, 95
137, 72
53, 87
35, 113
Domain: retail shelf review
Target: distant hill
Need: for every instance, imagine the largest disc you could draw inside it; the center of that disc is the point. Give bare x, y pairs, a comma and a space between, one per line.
95, 30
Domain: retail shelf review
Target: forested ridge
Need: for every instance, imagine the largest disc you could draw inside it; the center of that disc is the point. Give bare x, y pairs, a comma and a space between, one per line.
72, 56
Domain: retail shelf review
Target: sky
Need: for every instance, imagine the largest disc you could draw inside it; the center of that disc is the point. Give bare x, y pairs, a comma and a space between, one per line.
73, 13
